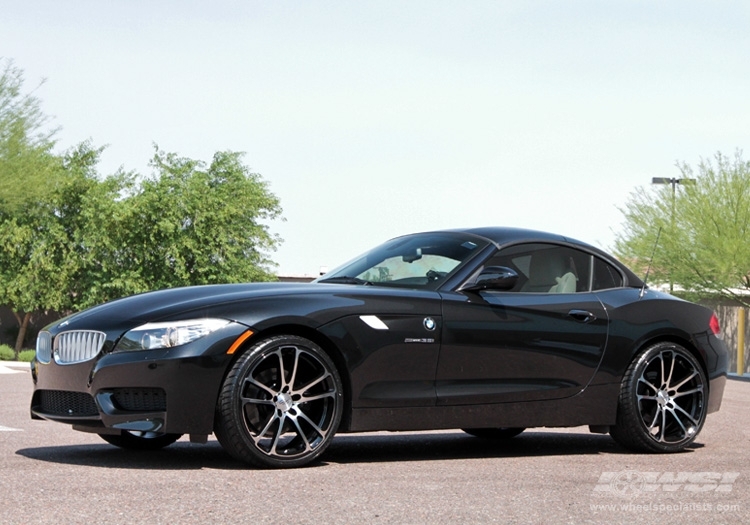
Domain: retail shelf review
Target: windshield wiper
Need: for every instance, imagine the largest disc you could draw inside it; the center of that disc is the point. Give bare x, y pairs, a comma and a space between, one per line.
343, 279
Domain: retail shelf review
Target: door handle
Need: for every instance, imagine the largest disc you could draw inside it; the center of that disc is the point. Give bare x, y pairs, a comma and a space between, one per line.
582, 316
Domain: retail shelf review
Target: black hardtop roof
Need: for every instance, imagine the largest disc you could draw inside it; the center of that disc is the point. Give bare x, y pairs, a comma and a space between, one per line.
502, 235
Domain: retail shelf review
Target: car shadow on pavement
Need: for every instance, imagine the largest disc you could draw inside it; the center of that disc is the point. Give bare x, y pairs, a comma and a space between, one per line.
458, 445
181, 455
359, 448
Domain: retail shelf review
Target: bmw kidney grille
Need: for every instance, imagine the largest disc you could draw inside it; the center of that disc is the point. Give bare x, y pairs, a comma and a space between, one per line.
77, 346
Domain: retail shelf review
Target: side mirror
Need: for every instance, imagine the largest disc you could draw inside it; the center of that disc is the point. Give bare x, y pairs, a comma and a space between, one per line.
498, 278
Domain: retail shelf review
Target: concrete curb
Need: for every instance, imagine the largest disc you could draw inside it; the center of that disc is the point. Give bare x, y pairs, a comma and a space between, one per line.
14, 367
15, 364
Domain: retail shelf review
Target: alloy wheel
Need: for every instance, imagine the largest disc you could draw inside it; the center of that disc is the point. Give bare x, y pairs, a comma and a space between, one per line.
281, 404
670, 395
663, 400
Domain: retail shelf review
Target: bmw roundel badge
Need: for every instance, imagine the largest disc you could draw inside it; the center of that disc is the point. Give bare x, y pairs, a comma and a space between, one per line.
429, 323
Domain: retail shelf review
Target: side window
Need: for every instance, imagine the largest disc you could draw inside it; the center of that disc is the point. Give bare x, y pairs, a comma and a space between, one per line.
605, 276
546, 268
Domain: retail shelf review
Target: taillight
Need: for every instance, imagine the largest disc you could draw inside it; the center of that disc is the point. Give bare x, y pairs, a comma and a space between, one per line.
714, 324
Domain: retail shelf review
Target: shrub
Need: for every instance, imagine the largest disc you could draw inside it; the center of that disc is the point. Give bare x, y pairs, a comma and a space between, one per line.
7, 353
25, 356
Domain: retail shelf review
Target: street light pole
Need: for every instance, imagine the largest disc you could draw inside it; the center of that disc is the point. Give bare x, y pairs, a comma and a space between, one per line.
674, 182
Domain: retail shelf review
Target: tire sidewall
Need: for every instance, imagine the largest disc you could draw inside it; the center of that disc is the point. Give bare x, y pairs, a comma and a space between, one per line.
636, 372
244, 365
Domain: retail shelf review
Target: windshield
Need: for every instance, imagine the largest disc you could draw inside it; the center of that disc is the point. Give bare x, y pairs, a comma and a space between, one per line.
416, 261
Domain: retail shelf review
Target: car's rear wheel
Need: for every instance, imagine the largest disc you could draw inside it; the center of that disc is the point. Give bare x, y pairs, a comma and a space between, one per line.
133, 440
663, 398
494, 433
281, 404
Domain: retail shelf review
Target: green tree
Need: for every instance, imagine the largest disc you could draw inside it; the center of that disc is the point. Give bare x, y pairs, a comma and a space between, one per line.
71, 238
28, 172
36, 268
28, 167
705, 226
97, 238
46, 251
196, 224
92, 209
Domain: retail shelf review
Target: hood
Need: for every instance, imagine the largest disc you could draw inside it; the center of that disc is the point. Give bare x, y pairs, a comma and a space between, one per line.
128, 312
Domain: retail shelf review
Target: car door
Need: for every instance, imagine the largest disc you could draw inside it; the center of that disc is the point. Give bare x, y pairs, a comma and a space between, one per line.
389, 339
537, 341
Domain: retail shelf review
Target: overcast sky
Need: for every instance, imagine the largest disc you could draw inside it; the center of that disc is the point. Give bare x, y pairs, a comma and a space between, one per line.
374, 119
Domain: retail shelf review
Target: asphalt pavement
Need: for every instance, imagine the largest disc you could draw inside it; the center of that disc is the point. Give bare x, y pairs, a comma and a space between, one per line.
52, 474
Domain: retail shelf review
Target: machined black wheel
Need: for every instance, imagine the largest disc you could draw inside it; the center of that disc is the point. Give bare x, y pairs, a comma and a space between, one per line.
281, 404
494, 433
133, 440
663, 399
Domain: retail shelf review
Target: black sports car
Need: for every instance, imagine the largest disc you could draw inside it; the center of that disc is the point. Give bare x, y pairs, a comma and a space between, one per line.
491, 330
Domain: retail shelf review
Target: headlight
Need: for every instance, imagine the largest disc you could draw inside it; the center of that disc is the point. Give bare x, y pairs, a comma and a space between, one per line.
151, 336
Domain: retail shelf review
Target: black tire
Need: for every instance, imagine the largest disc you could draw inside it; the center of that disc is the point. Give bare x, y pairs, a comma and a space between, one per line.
494, 433
140, 440
280, 404
663, 399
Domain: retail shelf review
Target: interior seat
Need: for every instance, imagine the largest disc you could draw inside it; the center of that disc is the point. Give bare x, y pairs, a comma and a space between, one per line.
548, 273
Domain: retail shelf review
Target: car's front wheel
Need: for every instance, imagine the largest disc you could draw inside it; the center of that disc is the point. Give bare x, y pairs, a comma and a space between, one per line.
281, 404
662, 404
140, 440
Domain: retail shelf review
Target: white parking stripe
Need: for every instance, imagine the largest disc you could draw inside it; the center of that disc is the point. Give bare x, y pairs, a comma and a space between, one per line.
8, 429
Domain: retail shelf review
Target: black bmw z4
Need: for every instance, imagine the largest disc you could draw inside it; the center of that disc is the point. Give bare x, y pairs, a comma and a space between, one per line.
490, 330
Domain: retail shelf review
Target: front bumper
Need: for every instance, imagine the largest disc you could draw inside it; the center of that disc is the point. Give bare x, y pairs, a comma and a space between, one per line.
172, 390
